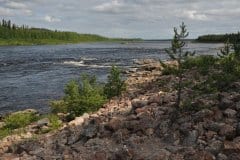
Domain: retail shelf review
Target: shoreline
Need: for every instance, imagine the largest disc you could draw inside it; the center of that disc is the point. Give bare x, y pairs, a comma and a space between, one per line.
145, 117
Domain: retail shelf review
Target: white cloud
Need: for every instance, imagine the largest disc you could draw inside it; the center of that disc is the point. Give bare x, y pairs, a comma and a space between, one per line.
27, 12
51, 19
6, 12
130, 18
113, 6
16, 5
194, 15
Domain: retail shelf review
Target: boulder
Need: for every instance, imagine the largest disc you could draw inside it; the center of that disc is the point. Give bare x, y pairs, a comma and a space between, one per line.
137, 103
238, 129
215, 147
210, 134
200, 115
238, 106
222, 156
230, 113
225, 103
228, 131
77, 121
90, 130
158, 99
213, 126
162, 154
114, 124
231, 147
191, 138
43, 122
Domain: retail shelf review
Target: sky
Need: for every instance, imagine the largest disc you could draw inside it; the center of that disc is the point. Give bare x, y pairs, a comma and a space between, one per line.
147, 19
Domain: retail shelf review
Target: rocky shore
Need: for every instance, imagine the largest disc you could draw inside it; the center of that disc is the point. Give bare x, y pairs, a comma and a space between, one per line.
142, 124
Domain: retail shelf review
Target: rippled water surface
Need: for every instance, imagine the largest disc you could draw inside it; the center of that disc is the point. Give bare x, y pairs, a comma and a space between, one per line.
31, 76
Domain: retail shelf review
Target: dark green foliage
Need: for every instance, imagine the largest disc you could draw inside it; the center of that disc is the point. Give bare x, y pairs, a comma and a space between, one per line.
86, 96
177, 53
170, 70
115, 85
219, 38
12, 34
225, 51
202, 63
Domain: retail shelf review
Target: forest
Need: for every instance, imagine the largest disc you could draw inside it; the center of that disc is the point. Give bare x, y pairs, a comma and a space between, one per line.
215, 38
13, 34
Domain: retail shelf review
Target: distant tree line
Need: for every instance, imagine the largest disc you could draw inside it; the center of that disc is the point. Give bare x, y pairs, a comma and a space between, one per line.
233, 37
10, 31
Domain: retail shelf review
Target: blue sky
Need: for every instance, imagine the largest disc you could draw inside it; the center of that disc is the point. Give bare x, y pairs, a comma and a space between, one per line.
149, 19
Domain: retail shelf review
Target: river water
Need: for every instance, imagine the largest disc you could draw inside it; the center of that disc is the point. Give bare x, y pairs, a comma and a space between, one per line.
31, 76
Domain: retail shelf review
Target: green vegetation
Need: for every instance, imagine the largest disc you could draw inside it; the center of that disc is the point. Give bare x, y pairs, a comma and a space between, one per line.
15, 121
88, 95
209, 75
202, 63
79, 98
177, 54
19, 120
115, 85
214, 38
55, 122
12, 34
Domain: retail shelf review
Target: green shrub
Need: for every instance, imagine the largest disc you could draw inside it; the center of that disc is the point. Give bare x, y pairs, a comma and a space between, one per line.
86, 96
4, 132
55, 122
189, 105
19, 120
58, 106
203, 63
115, 85
169, 70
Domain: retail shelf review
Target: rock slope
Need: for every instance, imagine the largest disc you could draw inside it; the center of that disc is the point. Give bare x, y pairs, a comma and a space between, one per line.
144, 125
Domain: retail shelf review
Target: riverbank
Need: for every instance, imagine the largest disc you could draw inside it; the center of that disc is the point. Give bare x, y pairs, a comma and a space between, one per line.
144, 124
30, 42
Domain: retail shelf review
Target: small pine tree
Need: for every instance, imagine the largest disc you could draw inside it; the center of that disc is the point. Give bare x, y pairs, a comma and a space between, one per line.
115, 84
177, 53
225, 51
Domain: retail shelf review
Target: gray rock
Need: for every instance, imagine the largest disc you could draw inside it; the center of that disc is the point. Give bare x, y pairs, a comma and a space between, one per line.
185, 127
191, 138
225, 103
230, 113
43, 122
238, 129
136, 103
228, 131
163, 128
238, 106
221, 156
90, 131
202, 114
162, 154
215, 147
214, 126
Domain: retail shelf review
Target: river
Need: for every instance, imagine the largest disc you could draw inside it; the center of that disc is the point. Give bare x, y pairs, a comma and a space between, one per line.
31, 76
